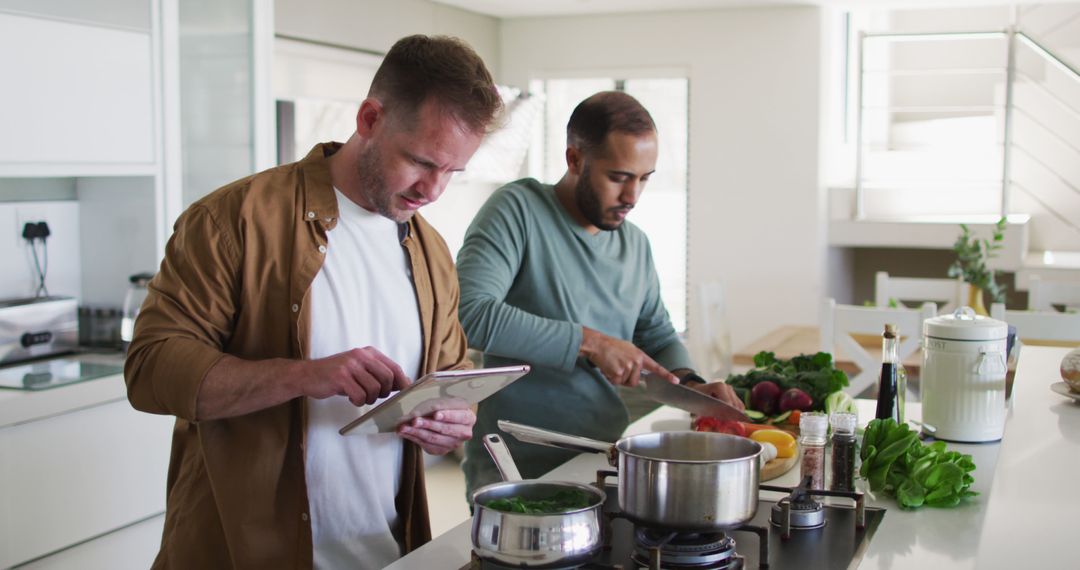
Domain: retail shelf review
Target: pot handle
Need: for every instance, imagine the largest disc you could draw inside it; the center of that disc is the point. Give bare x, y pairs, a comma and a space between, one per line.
529, 434
500, 454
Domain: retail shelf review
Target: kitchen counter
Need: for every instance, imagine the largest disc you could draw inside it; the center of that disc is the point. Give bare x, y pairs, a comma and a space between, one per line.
22, 406
1020, 519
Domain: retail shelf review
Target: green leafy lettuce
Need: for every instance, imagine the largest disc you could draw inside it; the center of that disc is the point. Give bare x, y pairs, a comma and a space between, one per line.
895, 462
813, 374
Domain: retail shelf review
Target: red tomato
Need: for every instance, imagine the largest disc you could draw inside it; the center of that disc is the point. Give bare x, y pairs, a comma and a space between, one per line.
720, 426
704, 423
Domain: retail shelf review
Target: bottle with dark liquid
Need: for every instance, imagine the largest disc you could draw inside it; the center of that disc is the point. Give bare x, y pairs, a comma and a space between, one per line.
893, 381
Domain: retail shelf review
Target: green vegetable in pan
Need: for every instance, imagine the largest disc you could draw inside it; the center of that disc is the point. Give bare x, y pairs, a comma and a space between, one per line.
562, 501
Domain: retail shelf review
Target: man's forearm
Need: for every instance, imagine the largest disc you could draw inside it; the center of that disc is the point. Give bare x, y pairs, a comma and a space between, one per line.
495, 327
234, 387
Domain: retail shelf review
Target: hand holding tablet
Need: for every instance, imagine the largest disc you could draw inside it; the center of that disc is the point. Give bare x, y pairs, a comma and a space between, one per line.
450, 390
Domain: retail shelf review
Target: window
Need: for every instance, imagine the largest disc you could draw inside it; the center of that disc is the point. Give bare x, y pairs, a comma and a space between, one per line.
661, 211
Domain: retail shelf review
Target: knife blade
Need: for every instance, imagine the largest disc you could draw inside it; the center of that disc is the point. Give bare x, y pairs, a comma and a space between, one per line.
689, 399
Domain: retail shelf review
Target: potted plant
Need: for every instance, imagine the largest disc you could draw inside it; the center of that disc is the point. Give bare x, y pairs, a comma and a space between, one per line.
971, 257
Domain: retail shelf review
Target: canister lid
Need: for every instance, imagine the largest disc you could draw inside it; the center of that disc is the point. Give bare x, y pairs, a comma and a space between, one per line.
964, 324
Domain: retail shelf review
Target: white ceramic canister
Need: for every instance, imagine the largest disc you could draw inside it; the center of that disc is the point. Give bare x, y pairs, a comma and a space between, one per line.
963, 376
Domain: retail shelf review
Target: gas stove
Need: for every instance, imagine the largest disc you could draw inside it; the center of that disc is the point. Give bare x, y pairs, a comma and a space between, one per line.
799, 529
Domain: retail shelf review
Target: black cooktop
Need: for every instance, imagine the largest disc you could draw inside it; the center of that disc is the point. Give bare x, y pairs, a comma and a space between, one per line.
838, 544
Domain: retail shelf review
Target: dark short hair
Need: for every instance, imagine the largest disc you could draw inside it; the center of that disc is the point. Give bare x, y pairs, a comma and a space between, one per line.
605, 112
421, 67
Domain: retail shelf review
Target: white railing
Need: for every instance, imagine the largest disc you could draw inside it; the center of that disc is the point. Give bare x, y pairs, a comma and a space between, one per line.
1014, 41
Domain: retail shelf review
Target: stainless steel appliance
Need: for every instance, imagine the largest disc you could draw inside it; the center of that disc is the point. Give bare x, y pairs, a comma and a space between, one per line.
37, 327
686, 480
801, 529
531, 539
38, 342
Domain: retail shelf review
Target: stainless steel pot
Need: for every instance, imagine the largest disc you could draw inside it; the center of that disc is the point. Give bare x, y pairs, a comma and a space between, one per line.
533, 540
683, 480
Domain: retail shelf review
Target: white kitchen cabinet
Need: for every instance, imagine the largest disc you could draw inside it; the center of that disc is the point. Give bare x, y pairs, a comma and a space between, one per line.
78, 462
130, 548
79, 98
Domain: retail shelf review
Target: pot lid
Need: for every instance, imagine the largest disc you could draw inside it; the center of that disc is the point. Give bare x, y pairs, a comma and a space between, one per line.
964, 324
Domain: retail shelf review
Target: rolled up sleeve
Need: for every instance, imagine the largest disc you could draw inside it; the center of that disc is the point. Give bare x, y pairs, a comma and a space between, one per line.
186, 319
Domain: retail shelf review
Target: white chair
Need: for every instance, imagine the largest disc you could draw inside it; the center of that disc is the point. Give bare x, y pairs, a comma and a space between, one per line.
839, 324
947, 294
1041, 327
1043, 295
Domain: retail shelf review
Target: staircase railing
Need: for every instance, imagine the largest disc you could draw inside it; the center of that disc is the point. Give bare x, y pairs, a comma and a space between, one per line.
1013, 38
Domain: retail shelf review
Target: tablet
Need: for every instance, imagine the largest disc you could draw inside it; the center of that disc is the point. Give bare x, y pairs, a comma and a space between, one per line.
453, 389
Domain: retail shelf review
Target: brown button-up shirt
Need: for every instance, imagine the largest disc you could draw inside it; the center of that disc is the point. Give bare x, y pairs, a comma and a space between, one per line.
236, 279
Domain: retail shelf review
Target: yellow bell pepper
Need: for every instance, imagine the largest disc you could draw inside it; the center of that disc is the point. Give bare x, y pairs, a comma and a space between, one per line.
784, 441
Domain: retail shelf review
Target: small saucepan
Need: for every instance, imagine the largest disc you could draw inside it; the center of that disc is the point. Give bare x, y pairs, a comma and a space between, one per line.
680, 480
526, 540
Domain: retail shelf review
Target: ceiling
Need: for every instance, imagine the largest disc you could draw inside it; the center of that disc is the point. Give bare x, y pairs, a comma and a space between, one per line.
532, 8
535, 8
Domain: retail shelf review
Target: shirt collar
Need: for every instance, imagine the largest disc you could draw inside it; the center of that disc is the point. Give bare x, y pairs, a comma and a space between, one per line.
320, 203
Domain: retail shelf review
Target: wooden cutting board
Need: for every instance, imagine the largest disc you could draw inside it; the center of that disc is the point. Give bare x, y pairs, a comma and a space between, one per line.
778, 467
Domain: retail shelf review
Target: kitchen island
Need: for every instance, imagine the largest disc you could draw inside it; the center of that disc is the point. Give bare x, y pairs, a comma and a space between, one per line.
1020, 520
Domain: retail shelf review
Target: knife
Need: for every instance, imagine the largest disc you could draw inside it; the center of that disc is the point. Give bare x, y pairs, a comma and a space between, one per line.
689, 399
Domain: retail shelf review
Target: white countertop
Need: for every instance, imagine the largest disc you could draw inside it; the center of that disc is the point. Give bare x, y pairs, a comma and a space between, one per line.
1018, 521
22, 406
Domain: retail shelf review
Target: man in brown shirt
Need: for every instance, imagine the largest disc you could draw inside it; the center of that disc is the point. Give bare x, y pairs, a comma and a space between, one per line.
223, 341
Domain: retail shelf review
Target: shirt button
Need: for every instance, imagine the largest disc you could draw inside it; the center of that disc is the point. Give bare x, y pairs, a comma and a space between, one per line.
311, 215
322, 249
303, 516
295, 308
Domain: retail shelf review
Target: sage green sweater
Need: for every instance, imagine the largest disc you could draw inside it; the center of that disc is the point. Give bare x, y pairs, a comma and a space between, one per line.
530, 279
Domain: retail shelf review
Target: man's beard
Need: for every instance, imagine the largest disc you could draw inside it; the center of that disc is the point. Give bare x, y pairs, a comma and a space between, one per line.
373, 186
589, 205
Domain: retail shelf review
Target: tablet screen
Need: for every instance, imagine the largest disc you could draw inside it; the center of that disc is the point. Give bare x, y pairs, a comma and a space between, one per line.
454, 389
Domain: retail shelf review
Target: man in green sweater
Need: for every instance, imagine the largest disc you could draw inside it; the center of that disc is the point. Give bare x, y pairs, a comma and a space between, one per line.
554, 276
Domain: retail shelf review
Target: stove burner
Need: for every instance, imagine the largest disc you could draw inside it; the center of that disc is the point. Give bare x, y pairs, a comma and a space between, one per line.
800, 511
653, 548
799, 515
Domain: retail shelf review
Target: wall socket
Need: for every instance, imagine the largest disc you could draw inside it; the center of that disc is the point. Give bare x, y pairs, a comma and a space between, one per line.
17, 277
28, 215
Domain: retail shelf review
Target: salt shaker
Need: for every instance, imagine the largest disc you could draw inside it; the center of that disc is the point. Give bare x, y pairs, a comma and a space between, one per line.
813, 427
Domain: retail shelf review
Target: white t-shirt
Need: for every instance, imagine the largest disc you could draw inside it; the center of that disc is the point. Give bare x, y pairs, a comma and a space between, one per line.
362, 296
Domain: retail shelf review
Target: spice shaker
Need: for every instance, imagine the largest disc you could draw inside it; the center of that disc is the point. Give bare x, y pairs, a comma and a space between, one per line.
813, 427
844, 450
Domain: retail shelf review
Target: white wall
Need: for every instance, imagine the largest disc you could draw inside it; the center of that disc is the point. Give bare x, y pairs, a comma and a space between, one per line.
376, 24
116, 225
18, 276
756, 206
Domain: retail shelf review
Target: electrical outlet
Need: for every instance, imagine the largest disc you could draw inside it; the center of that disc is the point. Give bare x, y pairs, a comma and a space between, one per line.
28, 215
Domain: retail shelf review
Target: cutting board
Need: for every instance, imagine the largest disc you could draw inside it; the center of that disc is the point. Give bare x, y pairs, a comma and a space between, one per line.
778, 467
